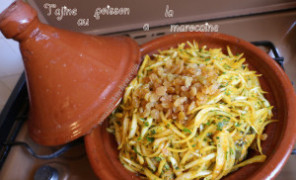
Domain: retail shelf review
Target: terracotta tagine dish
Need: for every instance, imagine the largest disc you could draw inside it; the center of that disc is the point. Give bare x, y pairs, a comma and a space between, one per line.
102, 148
75, 81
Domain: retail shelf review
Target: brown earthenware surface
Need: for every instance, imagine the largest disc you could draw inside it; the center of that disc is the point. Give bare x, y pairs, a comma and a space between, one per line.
74, 80
102, 149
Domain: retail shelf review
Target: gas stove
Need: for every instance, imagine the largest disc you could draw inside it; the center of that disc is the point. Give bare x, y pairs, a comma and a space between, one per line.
21, 158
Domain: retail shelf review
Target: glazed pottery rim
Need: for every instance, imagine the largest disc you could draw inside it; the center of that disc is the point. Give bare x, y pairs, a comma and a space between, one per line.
276, 160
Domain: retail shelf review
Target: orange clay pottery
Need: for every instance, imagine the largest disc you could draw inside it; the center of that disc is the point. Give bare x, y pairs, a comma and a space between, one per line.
101, 146
74, 80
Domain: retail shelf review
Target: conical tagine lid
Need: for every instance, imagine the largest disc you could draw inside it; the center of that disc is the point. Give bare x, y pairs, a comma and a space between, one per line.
74, 80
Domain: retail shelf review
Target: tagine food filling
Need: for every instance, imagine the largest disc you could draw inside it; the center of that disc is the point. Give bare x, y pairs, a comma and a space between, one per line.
191, 113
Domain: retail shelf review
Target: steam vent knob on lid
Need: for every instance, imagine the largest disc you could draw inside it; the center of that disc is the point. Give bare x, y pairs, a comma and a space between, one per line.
74, 80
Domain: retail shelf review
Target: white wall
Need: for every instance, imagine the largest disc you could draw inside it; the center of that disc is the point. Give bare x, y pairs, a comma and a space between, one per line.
11, 67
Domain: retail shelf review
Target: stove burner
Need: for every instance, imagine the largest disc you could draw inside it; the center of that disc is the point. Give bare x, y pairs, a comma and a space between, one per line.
46, 173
